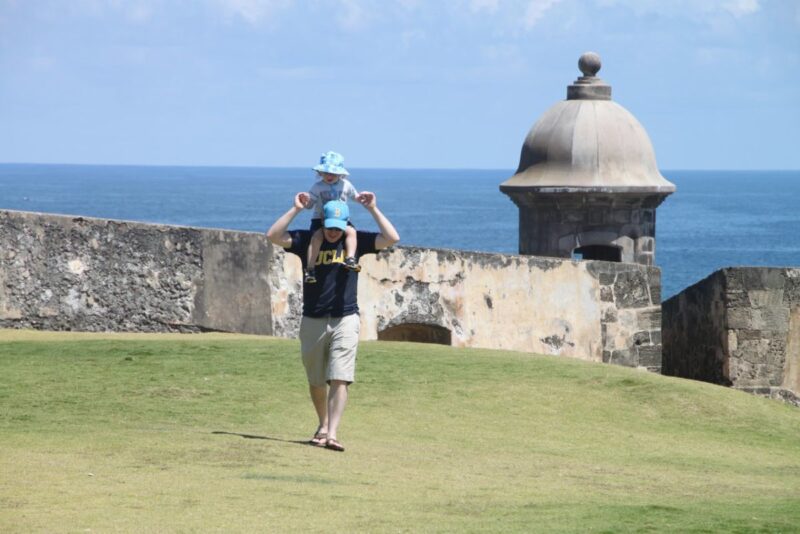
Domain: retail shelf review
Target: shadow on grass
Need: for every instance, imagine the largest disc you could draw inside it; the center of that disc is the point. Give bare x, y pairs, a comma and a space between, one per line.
252, 436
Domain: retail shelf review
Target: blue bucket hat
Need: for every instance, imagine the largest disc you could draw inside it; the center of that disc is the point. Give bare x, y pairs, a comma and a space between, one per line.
336, 214
331, 162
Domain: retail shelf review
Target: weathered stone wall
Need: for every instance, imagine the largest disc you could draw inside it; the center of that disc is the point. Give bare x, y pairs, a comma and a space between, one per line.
694, 331
597, 311
74, 273
738, 327
60, 272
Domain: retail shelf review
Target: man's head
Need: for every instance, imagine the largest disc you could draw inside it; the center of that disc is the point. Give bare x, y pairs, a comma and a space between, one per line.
336, 215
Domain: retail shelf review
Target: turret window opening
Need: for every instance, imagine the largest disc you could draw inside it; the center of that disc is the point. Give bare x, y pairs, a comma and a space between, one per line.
598, 252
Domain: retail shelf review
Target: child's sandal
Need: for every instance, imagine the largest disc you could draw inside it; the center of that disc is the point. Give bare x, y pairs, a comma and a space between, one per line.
351, 264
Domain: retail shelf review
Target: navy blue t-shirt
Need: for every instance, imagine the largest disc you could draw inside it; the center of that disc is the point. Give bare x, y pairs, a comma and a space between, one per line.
336, 290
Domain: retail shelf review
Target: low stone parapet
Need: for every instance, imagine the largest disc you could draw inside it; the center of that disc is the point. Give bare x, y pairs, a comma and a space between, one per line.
74, 273
592, 310
739, 327
77, 273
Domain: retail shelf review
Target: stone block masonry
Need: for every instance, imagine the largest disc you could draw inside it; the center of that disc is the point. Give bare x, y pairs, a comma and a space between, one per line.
739, 327
596, 311
74, 273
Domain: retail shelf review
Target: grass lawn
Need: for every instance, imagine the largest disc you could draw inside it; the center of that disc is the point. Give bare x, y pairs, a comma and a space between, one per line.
205, 433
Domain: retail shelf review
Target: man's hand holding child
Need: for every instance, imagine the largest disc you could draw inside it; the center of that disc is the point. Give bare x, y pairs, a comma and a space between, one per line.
301, 200
367, 199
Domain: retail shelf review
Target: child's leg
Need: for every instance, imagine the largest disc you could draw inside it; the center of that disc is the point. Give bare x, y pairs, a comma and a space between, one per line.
313, 250
350, 242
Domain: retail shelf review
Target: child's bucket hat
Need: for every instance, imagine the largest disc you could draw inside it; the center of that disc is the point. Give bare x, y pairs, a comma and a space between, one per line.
331, 162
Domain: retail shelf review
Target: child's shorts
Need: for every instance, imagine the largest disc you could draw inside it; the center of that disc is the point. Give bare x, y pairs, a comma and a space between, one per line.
316, 224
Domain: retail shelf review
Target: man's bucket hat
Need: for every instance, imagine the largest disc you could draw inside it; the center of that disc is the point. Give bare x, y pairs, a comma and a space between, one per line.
336, 214
331, 162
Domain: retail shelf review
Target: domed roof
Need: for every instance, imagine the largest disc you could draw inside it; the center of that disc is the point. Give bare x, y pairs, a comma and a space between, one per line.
588, 142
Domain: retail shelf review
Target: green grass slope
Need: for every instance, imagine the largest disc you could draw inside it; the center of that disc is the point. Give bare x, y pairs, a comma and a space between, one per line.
203, 433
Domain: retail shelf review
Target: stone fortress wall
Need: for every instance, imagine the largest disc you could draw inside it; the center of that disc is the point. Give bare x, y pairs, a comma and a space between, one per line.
75, 273
587, 184
739, 327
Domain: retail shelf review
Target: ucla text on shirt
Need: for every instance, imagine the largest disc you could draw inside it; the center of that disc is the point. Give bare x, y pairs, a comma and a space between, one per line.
327, 257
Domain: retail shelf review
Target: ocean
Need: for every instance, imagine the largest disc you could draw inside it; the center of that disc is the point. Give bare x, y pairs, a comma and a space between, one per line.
715, 219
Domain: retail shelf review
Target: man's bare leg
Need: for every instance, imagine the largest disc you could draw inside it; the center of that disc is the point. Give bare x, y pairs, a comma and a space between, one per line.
319, 397
337, 400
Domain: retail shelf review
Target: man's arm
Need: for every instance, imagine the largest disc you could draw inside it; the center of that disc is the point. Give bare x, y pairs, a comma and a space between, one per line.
388, 235
279, 231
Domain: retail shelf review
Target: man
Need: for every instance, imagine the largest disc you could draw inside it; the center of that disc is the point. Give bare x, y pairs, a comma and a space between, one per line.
330, 325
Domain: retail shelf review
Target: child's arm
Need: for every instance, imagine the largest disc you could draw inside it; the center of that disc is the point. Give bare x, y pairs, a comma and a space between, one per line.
314, 196
349, 190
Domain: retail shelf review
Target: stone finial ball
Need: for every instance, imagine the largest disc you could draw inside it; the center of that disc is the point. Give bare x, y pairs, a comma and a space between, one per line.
589, 63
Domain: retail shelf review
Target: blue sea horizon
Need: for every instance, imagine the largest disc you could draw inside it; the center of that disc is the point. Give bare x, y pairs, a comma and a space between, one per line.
716, 218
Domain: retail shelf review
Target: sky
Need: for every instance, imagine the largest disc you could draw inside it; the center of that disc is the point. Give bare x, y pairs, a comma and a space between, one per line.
389, 83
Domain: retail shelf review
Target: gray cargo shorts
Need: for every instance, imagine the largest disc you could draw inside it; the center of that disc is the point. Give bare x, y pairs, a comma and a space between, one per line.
328, 347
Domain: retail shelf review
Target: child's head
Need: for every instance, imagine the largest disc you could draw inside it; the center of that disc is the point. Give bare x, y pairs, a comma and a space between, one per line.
330, 168
329, 177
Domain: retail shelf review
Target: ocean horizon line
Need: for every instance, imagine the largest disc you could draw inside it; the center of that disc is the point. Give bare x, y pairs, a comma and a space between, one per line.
302, 167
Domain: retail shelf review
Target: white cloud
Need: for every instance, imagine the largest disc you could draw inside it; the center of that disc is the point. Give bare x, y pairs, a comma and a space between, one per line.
136, 11
536, 10
409, 4
352, 14
691, 9
348, 14
741, 8
477, 6
253, 11
528, 12
358, 14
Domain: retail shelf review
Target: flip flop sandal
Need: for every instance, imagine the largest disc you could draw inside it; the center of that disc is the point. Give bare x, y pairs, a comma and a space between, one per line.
320, 439
334, 445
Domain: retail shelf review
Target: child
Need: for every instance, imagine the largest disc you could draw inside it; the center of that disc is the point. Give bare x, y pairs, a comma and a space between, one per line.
332, 185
